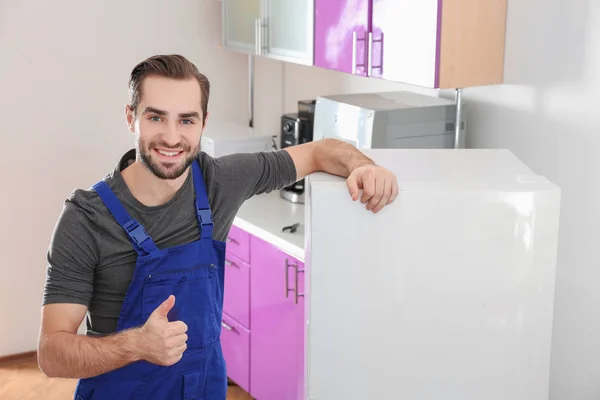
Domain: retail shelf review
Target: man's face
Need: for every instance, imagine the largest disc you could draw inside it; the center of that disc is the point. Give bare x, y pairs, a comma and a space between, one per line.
168, 125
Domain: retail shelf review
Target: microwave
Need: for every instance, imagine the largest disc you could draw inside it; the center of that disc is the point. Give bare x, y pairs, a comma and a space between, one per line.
392, 120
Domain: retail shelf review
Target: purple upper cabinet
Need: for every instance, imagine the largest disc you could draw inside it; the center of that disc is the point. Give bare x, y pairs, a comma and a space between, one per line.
341, 34
404, 41
277, 338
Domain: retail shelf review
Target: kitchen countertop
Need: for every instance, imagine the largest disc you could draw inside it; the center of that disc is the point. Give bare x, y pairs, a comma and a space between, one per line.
265, 215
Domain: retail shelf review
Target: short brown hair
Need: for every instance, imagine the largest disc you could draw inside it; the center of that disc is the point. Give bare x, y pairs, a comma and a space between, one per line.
172, 66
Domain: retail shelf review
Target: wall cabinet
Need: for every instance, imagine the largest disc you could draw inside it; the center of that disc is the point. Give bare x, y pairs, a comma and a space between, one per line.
263, 318
430, 43
341, 34
239, 24
403, 41
390, 39
277, 29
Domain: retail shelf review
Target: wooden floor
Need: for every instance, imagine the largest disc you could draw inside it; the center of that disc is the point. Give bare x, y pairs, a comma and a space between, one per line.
22, 380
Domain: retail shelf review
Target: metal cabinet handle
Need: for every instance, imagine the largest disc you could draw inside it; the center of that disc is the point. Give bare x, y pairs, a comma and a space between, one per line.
264, 35
370, 59
370, 56
355, 41
354, 52
224, 325
230, 264
259, 26
286, 278
257, 36
295, 289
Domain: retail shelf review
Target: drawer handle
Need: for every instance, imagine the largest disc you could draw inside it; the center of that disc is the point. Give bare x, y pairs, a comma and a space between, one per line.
287, 266
355, 40
230, 263
224, 325
295, 289
230, 240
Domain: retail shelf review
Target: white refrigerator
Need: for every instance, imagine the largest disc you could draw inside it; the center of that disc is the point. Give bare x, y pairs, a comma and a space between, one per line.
445, 294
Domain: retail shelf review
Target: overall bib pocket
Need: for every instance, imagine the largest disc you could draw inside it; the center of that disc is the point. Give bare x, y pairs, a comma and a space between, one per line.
194, 290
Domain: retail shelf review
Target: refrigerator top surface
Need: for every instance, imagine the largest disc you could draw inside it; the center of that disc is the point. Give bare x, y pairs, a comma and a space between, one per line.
382, 101
460, 169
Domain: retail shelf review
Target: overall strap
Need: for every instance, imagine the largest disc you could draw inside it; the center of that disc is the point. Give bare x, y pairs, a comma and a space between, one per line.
202, 206
142, 242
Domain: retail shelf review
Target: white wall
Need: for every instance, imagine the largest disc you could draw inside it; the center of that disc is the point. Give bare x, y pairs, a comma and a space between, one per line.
64, 66
549, 116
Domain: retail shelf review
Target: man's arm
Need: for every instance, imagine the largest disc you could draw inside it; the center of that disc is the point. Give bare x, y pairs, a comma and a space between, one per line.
64, 354
336, 157
72, 259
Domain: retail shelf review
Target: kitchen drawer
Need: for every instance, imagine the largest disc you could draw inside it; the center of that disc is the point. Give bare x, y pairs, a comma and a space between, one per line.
236, 302
238, 243
235, 342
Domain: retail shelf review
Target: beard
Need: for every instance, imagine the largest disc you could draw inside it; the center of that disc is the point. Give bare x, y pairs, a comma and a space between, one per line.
162, 169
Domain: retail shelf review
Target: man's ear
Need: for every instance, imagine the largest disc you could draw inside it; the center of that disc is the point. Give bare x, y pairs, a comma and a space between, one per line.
130, 117
205, 120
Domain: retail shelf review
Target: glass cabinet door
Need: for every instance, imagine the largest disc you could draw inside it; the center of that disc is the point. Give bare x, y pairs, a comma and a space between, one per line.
289, 30
240, 24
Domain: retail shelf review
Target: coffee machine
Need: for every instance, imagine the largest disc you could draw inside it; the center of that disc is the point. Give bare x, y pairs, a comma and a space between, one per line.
297, 128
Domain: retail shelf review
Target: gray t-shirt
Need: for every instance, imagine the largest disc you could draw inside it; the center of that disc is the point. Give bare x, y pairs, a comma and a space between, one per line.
90, 258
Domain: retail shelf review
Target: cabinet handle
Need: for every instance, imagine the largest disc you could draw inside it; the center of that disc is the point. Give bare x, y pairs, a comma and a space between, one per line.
287, 266
355, 41
295, 289
230, 264
230, 240
224, 325
370, 60
257, 36
353, 52
370, 56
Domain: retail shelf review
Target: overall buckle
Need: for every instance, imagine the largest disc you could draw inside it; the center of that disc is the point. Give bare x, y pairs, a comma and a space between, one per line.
136, 232
205, 216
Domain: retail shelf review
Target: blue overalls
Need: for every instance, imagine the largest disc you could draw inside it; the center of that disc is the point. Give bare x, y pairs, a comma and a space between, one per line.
194, 274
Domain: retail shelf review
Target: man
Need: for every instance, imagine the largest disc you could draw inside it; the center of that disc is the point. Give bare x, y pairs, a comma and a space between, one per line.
142, 251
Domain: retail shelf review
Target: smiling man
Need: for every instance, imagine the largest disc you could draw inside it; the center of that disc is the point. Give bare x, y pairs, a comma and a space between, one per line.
141, 253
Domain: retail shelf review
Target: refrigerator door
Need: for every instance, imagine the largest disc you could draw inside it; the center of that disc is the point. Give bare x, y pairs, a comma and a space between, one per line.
445, 294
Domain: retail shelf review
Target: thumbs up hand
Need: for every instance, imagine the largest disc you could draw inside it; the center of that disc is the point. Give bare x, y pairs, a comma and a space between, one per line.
165, 341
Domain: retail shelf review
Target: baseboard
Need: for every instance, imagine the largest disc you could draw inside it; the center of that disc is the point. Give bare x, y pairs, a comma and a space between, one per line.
17, 358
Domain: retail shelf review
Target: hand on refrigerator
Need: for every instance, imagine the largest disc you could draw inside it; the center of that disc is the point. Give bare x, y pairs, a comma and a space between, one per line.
379, 186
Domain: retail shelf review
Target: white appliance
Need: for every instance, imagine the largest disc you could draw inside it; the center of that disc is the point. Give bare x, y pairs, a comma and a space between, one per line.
388, 120
445, 294
223, 138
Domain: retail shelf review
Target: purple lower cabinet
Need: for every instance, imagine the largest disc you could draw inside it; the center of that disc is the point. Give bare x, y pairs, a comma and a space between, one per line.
341, 34
277, 309
235, 342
